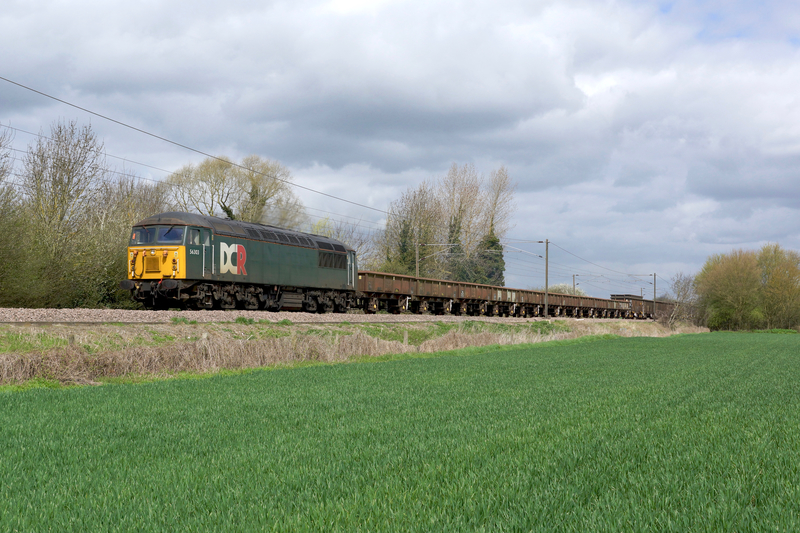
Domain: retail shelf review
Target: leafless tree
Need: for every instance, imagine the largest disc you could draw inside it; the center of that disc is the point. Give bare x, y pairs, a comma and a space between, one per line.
448, 219
562, 288
415, 219
500, 205
345, 232
61, 180
101, 256
463, 201
266, 194
254, 190
8, 193
6, 161
684, 300
209, 188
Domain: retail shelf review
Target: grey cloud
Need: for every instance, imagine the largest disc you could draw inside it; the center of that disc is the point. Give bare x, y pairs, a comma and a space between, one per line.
747, 174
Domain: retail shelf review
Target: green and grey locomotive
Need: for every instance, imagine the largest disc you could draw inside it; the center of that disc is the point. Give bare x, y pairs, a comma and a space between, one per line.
201, 262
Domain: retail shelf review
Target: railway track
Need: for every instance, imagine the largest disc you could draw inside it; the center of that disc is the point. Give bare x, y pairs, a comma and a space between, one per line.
50, 317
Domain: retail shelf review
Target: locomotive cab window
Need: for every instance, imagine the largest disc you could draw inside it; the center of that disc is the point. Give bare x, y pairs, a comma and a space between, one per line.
194, 236
157, 234
170, 234
143, 236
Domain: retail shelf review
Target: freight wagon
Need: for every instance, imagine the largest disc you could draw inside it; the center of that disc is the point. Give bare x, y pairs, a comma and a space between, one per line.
396, 293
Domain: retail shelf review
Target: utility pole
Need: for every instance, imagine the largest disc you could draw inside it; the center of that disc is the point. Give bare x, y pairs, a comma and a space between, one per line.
573, 284
416, 247
654, 295
546, 276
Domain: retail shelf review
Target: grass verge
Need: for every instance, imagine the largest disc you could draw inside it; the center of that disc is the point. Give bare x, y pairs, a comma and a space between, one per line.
92, 354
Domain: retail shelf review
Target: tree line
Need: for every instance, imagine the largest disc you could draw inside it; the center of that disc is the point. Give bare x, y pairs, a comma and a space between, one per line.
742, 290
66, 220
67, 214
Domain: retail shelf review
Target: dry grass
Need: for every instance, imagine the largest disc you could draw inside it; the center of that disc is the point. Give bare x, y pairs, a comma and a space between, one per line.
88, 355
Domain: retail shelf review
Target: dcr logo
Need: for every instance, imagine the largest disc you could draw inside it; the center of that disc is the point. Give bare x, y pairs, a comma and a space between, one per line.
228, 252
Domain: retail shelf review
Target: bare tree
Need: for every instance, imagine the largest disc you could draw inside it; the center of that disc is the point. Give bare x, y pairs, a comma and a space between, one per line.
464, 203
684, 299
6, 161
102, 253
255, 190
451, 220
562, 288
210, 188
344, 232
266, 195
499, 204
414, 220
61, 177
7, 191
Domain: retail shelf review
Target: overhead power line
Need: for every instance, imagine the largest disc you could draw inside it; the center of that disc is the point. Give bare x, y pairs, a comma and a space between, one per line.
136, 177
104, 152
195, 150
595, 264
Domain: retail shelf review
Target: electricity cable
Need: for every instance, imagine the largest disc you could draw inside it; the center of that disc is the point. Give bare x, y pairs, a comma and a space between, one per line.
175, 143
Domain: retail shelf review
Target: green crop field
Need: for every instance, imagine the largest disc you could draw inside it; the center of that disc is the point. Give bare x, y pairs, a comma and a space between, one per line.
689, 433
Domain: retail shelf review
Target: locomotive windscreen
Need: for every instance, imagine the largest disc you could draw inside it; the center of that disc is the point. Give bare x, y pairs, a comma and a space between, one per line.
157, 235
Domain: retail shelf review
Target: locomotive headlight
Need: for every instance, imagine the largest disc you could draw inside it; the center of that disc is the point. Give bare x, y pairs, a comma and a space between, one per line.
176, 254
152, 252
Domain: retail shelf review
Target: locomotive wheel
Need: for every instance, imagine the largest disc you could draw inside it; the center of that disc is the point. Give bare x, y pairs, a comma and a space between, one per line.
325, 306
310, 305
372, 306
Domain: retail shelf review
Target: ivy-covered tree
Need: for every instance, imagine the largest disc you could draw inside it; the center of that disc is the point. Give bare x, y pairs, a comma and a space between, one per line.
457, 268
489, 264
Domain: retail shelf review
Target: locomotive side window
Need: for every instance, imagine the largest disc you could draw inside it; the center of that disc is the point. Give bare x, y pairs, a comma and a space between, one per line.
143, 236
170, 234
194, 236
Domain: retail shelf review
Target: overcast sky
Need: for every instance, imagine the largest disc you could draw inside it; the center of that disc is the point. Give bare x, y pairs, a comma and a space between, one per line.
643, 135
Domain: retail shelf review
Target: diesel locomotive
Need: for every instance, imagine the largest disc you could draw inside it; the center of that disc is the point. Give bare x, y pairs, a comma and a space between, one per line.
193, 261
201, 262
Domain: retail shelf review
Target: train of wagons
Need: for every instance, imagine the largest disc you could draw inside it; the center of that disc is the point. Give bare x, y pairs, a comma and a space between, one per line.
191, 261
